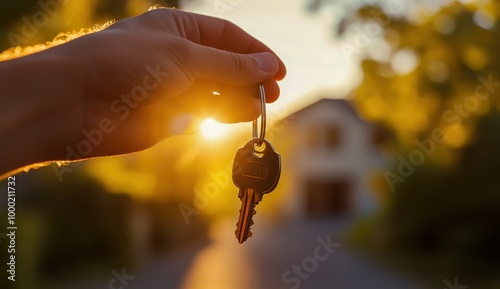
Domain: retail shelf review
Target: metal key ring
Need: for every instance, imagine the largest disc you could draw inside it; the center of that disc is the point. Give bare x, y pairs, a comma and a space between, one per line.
262, 135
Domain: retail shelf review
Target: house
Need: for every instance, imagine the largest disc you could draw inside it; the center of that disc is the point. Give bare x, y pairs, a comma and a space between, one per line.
332, 158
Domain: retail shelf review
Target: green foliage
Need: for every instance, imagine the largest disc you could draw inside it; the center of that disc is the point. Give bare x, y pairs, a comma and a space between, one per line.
444, 218
452, 215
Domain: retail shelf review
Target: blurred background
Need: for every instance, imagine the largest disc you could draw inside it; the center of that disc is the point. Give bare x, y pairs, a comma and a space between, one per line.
388, 126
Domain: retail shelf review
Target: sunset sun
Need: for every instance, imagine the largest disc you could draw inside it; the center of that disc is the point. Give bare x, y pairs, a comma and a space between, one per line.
212, 129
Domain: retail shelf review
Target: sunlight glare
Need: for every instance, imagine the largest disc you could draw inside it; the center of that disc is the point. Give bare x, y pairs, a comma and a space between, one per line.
212, 129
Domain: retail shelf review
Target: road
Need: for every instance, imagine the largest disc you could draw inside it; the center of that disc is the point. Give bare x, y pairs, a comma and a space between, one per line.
306, 255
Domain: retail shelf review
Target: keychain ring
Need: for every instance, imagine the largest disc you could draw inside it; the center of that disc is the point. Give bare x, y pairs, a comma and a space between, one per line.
262, 135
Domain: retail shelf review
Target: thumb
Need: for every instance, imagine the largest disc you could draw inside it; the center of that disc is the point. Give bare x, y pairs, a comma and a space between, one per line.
233, 68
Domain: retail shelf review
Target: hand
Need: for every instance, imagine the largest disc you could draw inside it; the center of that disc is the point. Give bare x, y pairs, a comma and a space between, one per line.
139, 81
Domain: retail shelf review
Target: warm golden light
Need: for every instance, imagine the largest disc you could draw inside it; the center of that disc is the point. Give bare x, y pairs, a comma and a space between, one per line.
212, 129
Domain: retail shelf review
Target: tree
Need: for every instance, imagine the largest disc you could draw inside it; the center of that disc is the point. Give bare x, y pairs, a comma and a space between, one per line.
431, 76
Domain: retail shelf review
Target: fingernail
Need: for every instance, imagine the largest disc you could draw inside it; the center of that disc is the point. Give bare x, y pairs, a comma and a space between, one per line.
267, 62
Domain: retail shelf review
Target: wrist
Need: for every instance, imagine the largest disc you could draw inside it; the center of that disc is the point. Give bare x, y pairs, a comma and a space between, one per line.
40, 103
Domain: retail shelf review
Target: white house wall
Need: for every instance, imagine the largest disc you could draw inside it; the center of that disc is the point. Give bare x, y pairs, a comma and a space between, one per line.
354, 159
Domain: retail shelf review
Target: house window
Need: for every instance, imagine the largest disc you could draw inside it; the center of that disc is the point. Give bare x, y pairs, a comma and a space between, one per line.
328, 198
323, 137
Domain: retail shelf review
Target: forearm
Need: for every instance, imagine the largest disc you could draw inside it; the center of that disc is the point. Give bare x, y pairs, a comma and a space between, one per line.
34, 127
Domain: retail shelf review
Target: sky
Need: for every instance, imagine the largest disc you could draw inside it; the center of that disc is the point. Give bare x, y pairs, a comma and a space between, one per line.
304, 41
317, 63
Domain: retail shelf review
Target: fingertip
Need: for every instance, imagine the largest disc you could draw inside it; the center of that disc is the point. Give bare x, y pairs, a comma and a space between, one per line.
281, 71
272, 91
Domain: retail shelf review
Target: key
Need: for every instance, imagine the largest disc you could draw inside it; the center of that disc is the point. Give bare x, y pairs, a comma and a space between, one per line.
255, 172
245, 220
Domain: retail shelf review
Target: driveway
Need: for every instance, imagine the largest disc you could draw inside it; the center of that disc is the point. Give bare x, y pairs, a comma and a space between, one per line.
308, 255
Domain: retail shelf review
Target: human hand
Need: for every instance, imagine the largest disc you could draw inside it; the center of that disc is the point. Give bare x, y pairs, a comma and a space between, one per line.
125, 88
185, 57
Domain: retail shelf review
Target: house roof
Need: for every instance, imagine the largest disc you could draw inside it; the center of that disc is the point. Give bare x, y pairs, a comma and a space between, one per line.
344, 104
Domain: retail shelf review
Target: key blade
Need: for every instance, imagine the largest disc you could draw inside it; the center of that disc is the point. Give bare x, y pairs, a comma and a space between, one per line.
246, 213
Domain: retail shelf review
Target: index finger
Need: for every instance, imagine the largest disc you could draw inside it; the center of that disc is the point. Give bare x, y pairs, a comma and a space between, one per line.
222, 34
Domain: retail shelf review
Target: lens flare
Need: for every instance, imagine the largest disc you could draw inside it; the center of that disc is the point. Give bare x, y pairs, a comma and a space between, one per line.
212, 129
